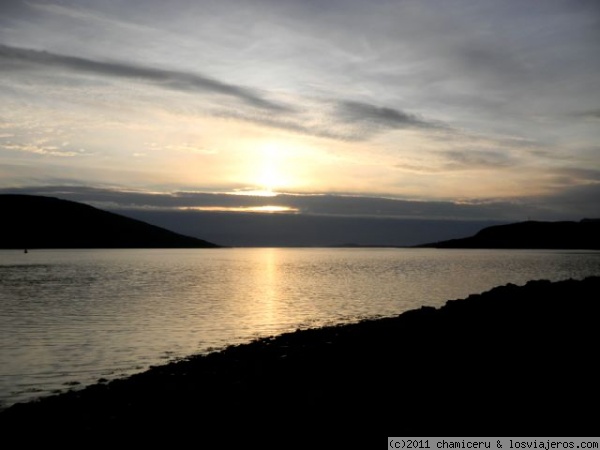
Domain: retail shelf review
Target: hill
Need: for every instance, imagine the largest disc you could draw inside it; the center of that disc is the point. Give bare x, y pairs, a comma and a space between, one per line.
531, 235
31, 221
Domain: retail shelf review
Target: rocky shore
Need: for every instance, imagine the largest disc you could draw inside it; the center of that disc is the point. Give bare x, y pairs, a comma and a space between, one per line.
516, 360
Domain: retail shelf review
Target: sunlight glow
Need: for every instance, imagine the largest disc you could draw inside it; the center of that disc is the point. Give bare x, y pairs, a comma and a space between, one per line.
271, 175
251, 209
255, 193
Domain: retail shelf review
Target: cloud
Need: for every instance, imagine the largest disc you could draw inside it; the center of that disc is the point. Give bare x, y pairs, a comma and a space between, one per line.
312, 205
266, 209
476, 159
300, 123
338, 119
573, 176
187, 148
581, 201
369, 115
14, 58
50, 150
87, 16
591, 115
495, 65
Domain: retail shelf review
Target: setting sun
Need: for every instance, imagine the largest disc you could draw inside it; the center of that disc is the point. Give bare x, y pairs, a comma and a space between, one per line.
271, 176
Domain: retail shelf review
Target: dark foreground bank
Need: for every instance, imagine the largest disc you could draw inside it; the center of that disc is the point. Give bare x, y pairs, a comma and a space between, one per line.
512, 361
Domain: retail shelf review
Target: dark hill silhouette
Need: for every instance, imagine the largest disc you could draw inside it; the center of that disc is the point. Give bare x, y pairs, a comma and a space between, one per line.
30, 221
531, 235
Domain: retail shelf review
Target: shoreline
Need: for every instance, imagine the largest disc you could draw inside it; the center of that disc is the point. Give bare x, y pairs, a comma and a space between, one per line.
453, 370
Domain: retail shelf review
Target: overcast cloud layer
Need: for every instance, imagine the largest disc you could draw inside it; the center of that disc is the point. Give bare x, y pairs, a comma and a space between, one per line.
468, 109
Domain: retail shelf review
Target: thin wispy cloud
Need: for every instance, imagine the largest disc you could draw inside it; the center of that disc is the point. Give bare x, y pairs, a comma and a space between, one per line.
13, 58
341, 119
40, 149
592, 115
476, 159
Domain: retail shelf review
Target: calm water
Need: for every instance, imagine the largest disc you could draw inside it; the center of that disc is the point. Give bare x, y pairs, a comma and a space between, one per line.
75, 316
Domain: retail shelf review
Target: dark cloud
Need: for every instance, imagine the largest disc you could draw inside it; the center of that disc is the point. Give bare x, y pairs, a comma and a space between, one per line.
371, 115
574, 201
21, 58
12, 8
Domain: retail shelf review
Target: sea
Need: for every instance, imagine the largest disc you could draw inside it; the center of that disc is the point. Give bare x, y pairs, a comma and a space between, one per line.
71, 318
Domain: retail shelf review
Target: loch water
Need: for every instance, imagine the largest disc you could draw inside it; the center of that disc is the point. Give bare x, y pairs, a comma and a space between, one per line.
71, 317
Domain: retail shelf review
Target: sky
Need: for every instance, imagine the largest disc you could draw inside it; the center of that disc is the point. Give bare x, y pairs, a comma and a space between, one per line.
236, 114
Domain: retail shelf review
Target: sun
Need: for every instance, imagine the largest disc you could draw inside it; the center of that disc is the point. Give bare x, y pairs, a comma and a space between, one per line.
271, 175
271, 178
274, 166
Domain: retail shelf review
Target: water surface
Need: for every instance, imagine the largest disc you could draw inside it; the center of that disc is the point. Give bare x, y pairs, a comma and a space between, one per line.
71, 317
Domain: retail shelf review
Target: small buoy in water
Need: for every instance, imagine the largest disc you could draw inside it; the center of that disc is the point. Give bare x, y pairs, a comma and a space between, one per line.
25, 251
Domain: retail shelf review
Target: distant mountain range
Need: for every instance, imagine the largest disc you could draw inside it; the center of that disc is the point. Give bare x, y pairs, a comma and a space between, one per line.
30, 221
531, 235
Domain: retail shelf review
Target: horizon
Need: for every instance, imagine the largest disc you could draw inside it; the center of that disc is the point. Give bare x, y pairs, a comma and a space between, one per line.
359, 119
